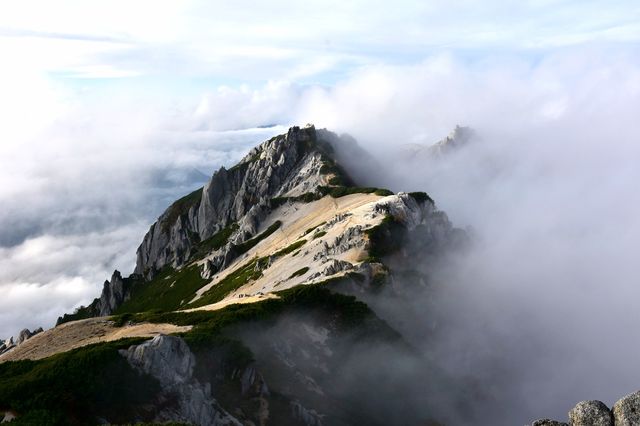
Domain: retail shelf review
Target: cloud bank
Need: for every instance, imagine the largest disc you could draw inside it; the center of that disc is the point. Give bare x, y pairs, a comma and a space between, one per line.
548, 190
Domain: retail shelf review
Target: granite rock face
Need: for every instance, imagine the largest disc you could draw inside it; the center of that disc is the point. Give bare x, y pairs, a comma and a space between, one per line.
23, 336
171, 362
113, 295
288, 165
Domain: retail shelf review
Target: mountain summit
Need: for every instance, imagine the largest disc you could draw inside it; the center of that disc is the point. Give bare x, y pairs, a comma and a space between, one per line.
241, 310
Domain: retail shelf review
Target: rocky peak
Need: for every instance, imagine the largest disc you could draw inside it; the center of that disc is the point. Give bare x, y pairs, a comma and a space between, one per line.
288, 165
113, 294
458, 137
23, 336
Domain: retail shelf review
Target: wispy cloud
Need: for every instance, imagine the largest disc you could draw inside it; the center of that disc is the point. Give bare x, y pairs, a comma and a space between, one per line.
321, 40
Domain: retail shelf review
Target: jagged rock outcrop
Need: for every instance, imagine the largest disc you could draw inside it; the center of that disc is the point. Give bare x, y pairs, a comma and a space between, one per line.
6, 345
114, 293
22, 337
288, 165
458, 137
625, 412
25, 334
171, 362
306, 416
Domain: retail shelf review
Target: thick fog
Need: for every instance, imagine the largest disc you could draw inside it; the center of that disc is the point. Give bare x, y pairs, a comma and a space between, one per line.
542, 310
548, 292
78, 195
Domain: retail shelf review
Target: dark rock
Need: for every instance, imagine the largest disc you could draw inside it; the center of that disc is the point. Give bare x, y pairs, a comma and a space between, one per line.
548, 422
171, 362
114, 293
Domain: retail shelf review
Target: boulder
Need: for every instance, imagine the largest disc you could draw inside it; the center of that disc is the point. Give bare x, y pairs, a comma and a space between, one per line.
626, 412
590, 413
171, 362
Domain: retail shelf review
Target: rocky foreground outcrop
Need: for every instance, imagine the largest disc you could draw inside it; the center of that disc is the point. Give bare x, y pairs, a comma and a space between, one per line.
171, 362
625, 412
23, 336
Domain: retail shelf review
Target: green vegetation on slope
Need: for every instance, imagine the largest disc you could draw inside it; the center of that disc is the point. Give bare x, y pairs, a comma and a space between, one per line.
249, 272
249, 244
233, 281
170, 290
180, 208
307, 197
421, 197
76, 387
386, 238
83, 312
299, 272
290, 248
319, 234
314, 227
341, 191
215, 242
349, 312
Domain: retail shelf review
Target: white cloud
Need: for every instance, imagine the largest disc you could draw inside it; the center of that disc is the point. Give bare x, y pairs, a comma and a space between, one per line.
289, 39
553, 86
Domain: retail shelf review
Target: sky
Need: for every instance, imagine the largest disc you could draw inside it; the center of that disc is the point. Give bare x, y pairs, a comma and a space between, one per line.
111, 110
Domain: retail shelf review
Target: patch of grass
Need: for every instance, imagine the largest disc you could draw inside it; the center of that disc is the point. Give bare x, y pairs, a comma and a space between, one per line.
249, 272
290, 248
331, 167
77, 387
168, 291
83, 312
372, 259
379, 280
386, 238
307, 197
341, 191
348, 311
215, 242
336, 181
249, 244
421, 197
319, 234
180, 208
314, 227
299, 272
